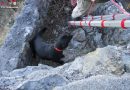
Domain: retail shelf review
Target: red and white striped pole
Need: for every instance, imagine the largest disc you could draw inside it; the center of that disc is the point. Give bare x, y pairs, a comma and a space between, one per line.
14, 2
107, 17
102, 23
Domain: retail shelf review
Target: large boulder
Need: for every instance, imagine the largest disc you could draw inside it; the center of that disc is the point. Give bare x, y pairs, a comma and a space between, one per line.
97, 37
99, 82
105, 66
15, 52
103, 69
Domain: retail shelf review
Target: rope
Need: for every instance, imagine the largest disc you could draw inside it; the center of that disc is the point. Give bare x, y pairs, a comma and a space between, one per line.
120, 8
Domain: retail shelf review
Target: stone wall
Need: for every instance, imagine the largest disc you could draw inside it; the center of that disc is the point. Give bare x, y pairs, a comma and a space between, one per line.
15, 52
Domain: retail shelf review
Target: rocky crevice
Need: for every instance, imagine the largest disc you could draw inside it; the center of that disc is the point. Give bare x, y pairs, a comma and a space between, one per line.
96, 66
16, 47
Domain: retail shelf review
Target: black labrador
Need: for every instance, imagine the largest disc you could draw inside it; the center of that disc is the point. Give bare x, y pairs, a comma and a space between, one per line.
52, 52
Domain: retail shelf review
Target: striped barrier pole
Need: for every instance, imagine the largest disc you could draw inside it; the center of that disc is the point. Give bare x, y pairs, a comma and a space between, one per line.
102, 23
14, 2
107, 17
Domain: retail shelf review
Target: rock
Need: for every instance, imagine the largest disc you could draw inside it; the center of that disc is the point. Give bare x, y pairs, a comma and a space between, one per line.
111, 35
103, 65
28, 70
97, 37
102, 61
99, 82
80, 44
46, 83
128, 46
102, 69
126, 59
80, 39
15, 52
18, 77
108, 60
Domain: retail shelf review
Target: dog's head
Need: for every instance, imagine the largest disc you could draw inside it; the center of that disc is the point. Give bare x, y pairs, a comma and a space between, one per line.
63, 41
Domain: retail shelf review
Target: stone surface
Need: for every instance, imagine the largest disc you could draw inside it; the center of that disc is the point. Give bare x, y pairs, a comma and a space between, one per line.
97, 37
99, 82
15, 52
105, 66
46, 83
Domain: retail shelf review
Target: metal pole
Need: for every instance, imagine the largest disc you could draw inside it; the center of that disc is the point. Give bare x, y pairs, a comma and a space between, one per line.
102, 23
107, 17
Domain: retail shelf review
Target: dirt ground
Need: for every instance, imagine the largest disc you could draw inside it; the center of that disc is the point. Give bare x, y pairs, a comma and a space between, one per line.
57, 18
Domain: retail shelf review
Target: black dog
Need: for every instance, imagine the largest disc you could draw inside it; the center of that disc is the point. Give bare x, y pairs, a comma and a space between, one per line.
50, 51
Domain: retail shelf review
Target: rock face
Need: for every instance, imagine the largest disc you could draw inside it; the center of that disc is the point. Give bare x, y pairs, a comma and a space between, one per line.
103, 69
112, 35
99, 82
15, 52
97, 37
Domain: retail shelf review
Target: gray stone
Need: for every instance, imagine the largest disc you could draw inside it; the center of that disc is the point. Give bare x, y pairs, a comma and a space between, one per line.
99, 82
108, 60
15, 52
46, 83
97, 37
104, 64
28, 70
102, 69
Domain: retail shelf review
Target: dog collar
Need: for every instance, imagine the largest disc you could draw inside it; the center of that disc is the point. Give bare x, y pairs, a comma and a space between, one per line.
57, 49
